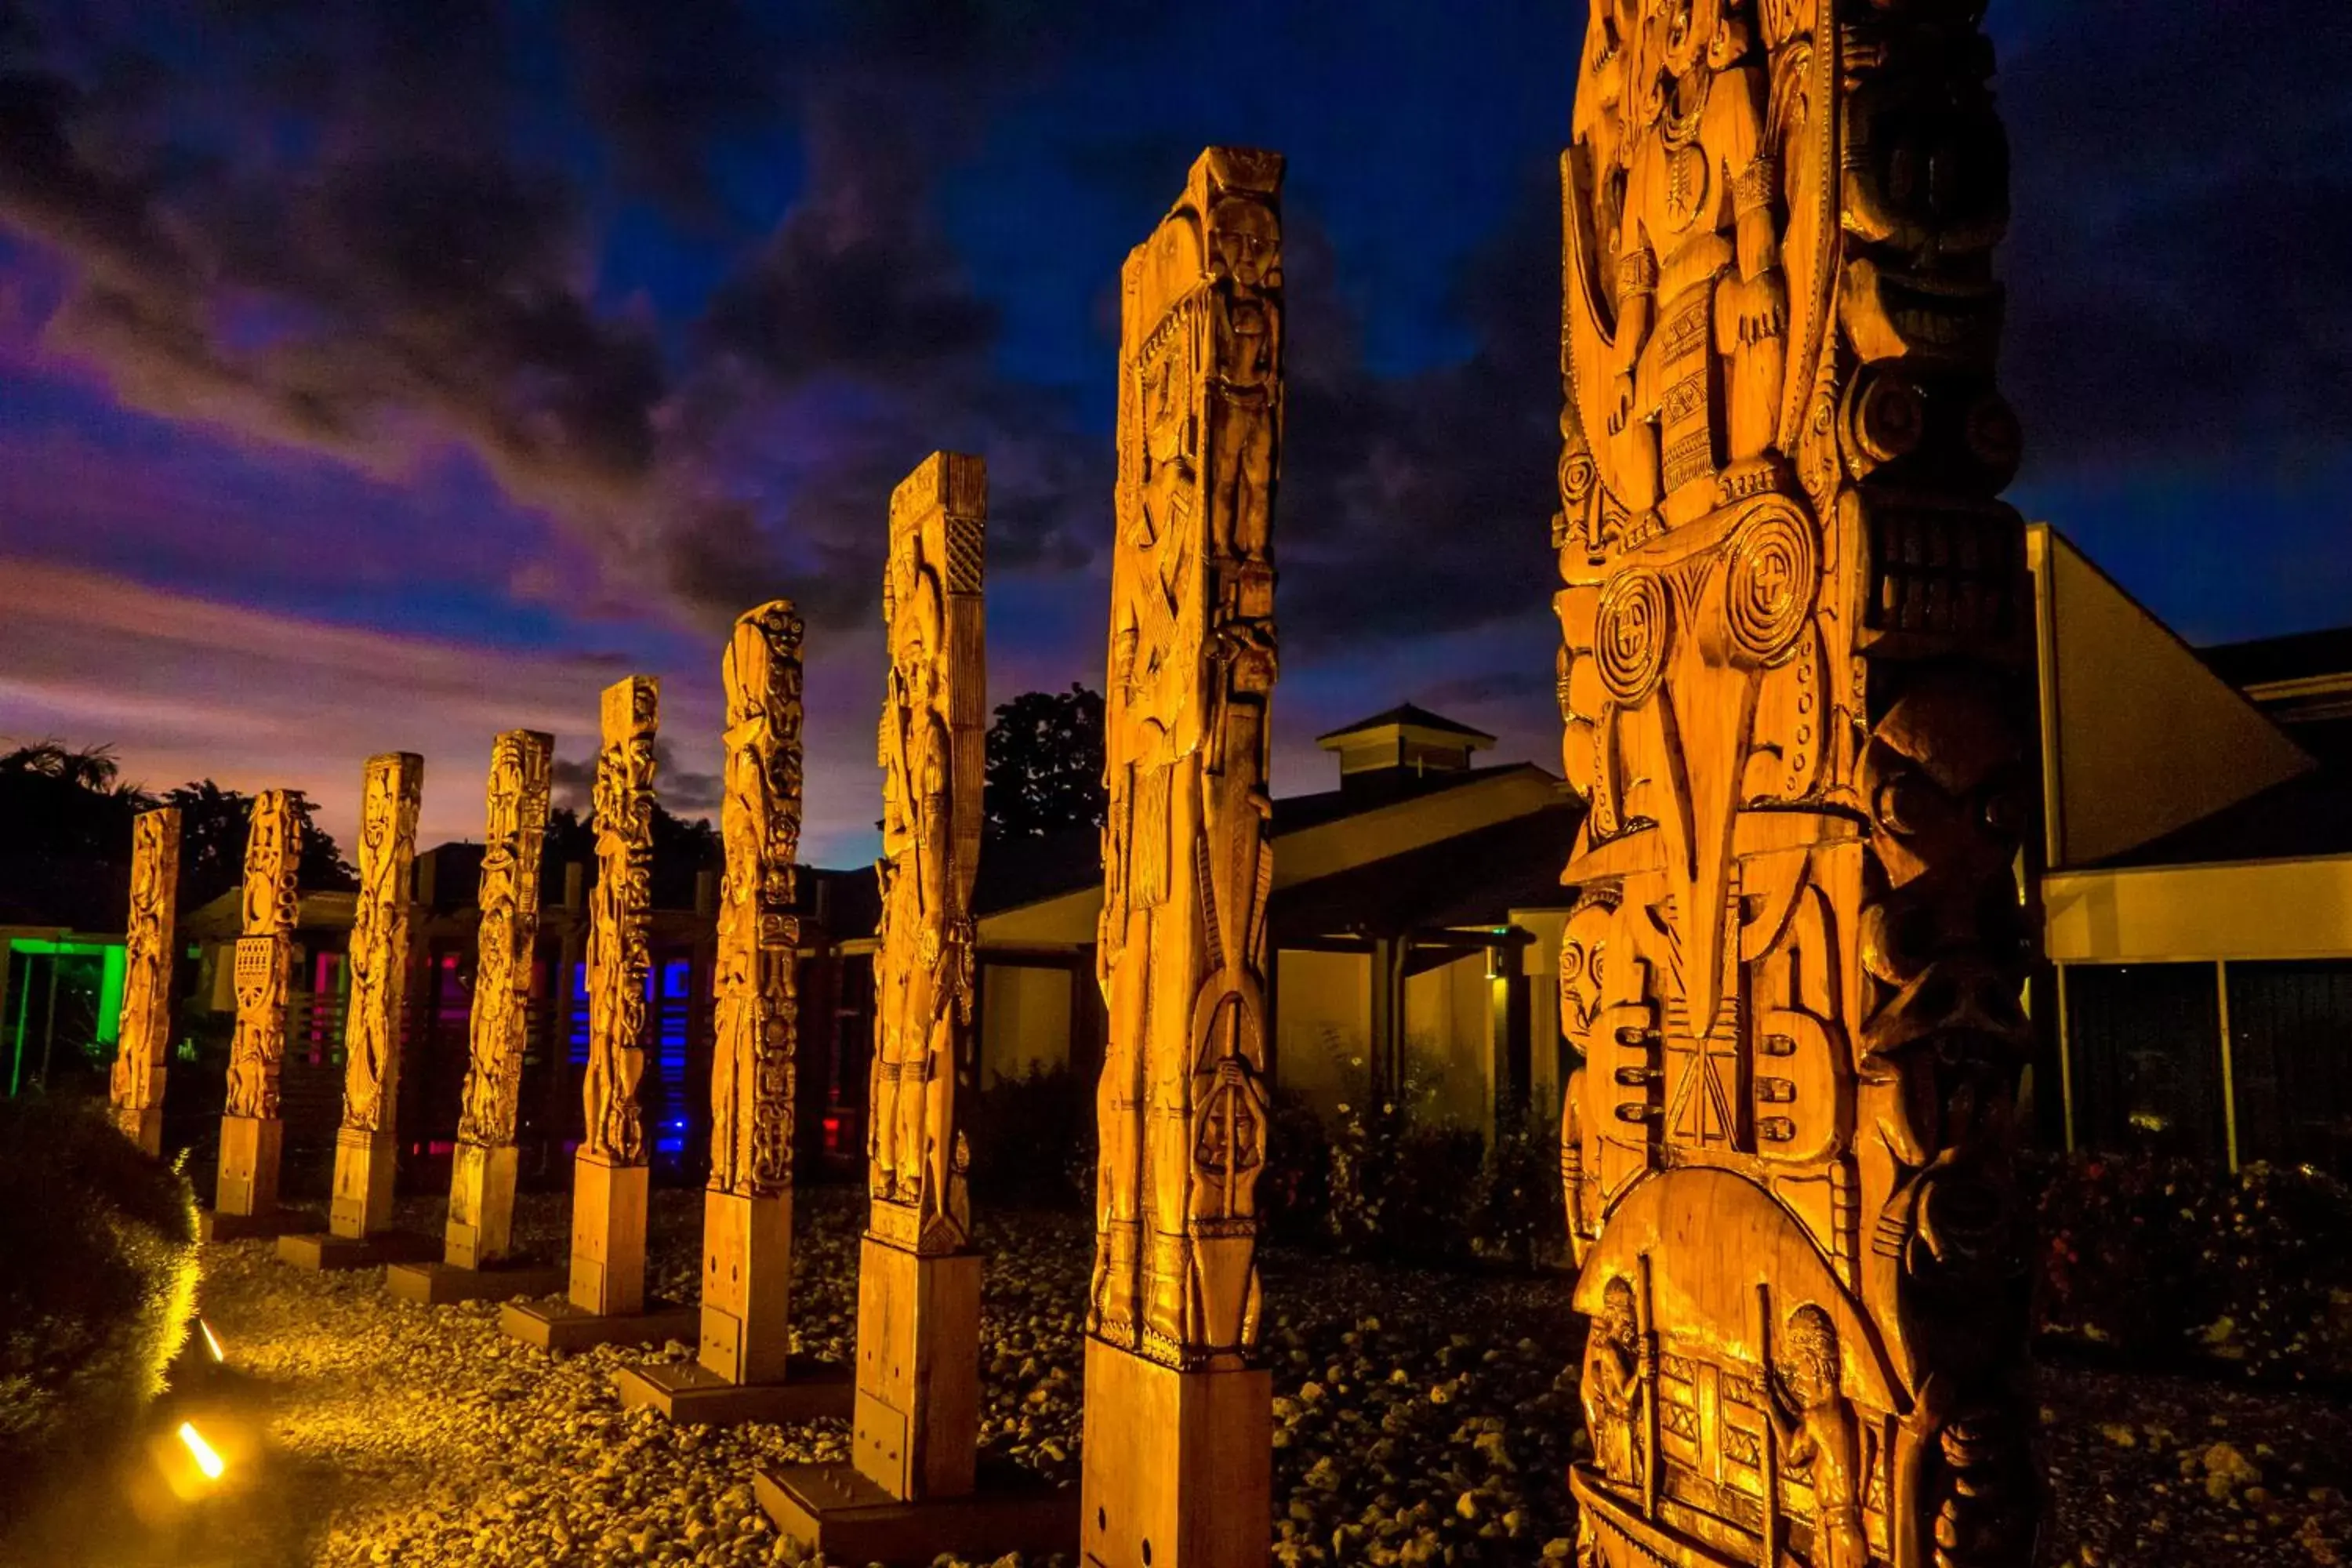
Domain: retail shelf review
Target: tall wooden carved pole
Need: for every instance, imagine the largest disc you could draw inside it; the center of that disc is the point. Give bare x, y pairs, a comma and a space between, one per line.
911, 1490
741, 1371
145, 1030
610, 1174
481, 1230
918, 1280
746, 1211
390, 794
1177, 1414
245, 1202
1794, 672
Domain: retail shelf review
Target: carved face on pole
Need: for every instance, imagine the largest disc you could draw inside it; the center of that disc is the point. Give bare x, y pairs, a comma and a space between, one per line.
1808, 1369
1246, 241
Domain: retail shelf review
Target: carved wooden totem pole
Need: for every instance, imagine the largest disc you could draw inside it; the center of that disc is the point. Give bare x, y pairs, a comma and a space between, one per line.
918, 1415
1177, 1413
145, 1030
481, 1230
245, 1202
610, 1172
747, 1213
365, 1150
746, 1209
1795, 638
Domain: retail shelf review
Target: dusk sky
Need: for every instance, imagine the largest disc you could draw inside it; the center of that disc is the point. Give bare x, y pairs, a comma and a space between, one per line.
378, 376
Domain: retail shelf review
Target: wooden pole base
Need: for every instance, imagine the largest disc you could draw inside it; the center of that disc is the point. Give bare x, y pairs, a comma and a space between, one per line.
918, 1422
1179, 1466
690, 1392
362, 1204
563, 1327
338, 1252
608, 1236
249, 1151
747, 1275
213, 1226
439, 1284
833, 1510
480, 1233
143, 1128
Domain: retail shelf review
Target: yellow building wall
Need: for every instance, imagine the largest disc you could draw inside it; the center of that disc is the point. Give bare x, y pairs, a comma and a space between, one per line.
2249, 909
2142, 737
1024, 1020
1322, 1004
1445, 1013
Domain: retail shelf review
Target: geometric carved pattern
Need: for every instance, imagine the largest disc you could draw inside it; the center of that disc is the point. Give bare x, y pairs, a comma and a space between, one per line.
1790, 686
264, 954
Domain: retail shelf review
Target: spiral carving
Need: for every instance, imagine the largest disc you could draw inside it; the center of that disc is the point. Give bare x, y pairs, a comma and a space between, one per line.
1629, 638
1774, 569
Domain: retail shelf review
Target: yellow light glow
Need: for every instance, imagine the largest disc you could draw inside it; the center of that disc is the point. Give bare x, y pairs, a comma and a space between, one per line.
207, 1459
211, 1342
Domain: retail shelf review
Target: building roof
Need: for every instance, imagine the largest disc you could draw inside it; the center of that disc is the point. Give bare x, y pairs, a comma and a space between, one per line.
1406, 714
1473, 878
2307, 816
2301, 656
1371, 792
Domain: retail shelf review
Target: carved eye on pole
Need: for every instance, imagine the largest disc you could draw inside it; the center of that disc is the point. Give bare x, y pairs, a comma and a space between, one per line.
1630, 635
1898, 808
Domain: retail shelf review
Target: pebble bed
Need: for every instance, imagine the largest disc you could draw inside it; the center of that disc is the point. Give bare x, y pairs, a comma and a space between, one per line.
1421, 1418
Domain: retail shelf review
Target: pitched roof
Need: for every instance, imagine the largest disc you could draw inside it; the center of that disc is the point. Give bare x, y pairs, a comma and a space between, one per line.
2297, 657
1406, 713
2310, 815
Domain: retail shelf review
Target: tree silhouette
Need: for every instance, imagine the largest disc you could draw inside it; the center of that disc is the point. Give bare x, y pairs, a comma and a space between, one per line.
1045, 764
65, 838
213, 822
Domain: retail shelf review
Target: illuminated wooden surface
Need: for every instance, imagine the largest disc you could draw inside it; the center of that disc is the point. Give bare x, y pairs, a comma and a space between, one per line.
1178, 1458
1794, 677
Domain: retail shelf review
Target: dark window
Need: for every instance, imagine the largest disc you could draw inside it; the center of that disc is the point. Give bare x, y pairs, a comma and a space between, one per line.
2291, 1062
2146, 1043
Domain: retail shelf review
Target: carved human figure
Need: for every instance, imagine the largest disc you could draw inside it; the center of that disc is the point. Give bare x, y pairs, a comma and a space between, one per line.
752, 1069
390, 795
1182, 1102
513, 844
1818, 1434
136, 1085
1611, 1386
617, 956
928, 746
1699, 263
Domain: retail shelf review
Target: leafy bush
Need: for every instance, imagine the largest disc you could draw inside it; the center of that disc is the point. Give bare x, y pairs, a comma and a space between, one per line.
2165, 1261
98, 1276
1424, 1192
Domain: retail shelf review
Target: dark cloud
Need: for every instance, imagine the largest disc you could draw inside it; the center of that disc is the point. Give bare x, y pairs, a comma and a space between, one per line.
1417, 504
2177, 262
385, 268
571, 785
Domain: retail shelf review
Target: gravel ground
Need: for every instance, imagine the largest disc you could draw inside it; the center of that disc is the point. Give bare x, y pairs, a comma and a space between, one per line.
1421, 1418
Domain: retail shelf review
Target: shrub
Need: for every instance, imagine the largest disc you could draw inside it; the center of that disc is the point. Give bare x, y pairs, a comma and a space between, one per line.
98, 1276
2164, 1261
